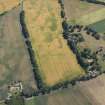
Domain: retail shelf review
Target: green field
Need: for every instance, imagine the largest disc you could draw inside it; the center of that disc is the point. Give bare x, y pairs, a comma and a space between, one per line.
99, 26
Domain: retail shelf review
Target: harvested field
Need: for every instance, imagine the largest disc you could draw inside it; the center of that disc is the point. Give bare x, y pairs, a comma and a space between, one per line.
79, 12
14, 58
98, 26
6, 5
56, 61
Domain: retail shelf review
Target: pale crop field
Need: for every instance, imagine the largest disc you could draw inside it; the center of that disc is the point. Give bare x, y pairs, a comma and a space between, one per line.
91, 18
79, 12
6, 5
55, 60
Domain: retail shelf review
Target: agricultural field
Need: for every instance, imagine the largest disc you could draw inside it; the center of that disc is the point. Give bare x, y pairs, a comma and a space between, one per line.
83, 13
95, 87
101, 0
90, 92
70, 96
98, 26
14, 58
6, 5
55, 60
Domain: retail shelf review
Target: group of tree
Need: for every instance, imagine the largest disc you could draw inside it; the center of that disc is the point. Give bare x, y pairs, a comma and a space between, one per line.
92, 32
24, 27
90, 60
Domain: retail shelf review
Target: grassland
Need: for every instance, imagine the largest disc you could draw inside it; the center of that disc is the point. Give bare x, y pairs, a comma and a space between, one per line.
55, 60
98, 26
14, 58
6, 5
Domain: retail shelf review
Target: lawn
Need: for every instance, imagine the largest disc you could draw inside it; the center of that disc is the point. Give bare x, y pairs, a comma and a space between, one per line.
55, 60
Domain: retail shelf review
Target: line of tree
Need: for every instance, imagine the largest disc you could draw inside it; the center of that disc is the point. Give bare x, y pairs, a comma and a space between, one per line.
95, 1
92, 32
31, 52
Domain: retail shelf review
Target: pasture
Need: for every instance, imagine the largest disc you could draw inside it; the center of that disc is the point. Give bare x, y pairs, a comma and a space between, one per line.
84, 13
98, 26
55, 60
14, 58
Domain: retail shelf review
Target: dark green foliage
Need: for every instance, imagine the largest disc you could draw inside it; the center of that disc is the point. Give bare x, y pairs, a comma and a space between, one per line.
37, 76
24, 27
77, 37
62, 13
86, 53
65, 25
